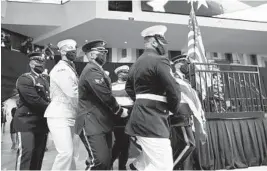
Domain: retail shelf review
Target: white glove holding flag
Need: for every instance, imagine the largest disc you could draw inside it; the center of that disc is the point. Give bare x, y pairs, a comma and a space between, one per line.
203, 132
45, 72
124, 113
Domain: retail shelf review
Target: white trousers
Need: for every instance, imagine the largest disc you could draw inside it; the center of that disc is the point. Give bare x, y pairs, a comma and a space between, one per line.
156, 154
66, 143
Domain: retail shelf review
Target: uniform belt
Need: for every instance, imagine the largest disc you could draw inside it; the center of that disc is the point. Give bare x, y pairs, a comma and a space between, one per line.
152, 97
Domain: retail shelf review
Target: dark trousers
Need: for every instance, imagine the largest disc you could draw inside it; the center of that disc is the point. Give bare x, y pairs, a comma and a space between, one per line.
31, 150
183, 144
99, 150
121, 147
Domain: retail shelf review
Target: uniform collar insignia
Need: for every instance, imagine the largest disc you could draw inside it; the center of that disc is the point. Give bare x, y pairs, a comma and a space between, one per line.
99, 81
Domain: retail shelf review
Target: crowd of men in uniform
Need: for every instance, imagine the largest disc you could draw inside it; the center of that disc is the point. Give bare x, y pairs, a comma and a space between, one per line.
87, 107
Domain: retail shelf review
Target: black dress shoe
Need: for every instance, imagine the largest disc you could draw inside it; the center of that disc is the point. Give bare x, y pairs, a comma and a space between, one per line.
122, 168
87, 165
87, 162
132, 167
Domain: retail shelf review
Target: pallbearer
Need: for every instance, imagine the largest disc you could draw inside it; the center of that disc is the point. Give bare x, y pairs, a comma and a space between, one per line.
97, 107
62, 111
122, 142
29, 121
153, 88
182, 138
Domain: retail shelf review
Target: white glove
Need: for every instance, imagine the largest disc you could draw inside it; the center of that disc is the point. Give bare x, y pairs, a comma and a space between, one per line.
203, 134
124, 113
45, 72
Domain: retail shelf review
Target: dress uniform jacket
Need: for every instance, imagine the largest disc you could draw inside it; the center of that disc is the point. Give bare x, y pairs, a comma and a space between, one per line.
63, 91
97, 106
150, 75
33, 91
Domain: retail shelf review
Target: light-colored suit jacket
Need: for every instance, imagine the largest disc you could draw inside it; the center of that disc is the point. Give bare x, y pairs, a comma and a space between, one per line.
63, 91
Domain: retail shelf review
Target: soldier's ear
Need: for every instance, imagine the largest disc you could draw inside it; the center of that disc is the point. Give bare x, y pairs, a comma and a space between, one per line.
31, 64
93, 55
62, 52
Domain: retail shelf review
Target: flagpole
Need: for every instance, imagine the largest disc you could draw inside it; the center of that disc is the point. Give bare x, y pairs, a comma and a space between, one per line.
192, 8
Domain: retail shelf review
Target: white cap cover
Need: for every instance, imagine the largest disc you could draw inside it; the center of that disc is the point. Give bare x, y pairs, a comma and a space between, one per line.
67, 42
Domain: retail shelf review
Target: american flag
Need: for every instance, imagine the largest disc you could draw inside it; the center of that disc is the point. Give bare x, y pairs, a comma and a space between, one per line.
190, 97
196, 54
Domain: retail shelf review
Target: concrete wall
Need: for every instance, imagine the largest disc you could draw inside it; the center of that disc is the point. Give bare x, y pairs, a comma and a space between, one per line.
238, 58
32, 14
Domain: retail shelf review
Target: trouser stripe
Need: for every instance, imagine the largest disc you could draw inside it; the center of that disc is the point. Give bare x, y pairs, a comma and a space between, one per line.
90, 150
19, 152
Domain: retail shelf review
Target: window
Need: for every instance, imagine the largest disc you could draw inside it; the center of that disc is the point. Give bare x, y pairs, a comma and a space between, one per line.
123, 6
174, 53
109, 55
254, 60
215, 55
241, 58
124, 53
229, 57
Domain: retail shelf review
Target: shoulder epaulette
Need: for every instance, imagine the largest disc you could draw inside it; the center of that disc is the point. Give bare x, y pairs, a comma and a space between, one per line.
29, 75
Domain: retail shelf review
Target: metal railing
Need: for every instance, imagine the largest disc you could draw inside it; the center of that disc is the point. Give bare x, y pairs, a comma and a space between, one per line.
228, 88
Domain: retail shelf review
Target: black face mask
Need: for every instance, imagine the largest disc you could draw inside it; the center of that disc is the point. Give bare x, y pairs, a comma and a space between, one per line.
101, 59
39, 69
123, 76
71, 55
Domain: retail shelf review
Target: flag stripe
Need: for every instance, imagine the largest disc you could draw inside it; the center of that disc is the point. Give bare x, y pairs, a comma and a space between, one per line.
191, 42
190, 97
196, 53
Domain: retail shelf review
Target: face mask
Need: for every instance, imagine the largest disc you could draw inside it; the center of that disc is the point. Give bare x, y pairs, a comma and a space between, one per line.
123, 76
71, 55
101, 59
39, 69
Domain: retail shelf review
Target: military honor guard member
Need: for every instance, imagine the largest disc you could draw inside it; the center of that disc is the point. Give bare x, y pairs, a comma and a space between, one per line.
153, 88
29, 121
61, 112
97, 107
182, 138
122, 141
